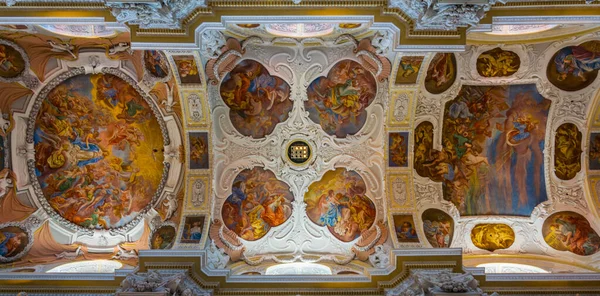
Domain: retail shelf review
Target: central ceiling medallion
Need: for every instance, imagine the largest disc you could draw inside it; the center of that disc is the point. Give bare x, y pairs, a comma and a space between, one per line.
298, 152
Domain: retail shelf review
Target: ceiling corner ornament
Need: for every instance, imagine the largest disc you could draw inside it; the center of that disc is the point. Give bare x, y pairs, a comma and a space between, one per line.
433, 15
162, 14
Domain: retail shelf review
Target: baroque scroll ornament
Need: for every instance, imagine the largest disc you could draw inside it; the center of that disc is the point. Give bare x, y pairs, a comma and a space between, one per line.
164, 14
433, 15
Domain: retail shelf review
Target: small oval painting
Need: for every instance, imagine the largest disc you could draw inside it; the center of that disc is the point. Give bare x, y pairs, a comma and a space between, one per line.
498, 63
567, 151
258, 202
441, 73
14, 242
492, 236
11, 61
338, 201
569, 231
438, 228
423, 139
248, 26
257, 100
338, 102
575, 67
163, 238
349, 25
156, 63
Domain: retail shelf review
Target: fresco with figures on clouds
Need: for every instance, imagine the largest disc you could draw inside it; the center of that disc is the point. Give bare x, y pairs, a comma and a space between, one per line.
405, 229
398, 149
13, 241
567, 151
492, 237
441, 73
338, 101
258, 201
408, 70
156, 63
569, 231
187, 69
573, 68
423, 152
98, 152
257, 100
198, 150
11, 62
594, 152
492, 161
498, 63
438, 228
163, 237
339, 202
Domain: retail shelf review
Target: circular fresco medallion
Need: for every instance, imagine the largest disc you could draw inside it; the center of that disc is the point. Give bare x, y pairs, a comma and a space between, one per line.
156, 63
12, 63
574, 68
96, 141
163, 237
15, 242
298, 152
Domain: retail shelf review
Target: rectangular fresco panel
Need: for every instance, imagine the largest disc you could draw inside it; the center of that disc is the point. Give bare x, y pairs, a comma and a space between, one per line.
187, 69
198, 150
594, 151
398, 149
192, 229
492, 161
408, 70
406, 231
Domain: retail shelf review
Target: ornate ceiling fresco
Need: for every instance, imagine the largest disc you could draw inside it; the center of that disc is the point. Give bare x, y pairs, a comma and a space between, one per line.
274, 144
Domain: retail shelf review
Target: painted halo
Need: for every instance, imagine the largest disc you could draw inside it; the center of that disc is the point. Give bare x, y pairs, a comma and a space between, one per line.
15, 242
14, 63
87, 169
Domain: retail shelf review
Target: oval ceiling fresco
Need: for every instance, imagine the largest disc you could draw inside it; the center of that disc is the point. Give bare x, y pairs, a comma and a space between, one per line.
441, 73
95, 141
569, 231
492, 237
498, 63
438, 228
575, 67
338, 102
257, 100
338, 201
258, 201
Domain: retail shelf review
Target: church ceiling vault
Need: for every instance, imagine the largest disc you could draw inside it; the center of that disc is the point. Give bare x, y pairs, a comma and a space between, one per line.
263, 144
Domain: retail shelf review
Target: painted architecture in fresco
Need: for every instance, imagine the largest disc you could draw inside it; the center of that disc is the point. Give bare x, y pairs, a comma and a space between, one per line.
492, 237
441, 73
95, 142
398, 149
258, 202
438, 228
338, 102
408, 69
498, 63
573, 68
567, 151
569, 231
257, 100
339, 202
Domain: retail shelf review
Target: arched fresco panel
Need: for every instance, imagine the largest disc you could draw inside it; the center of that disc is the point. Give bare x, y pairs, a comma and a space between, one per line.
567, 151
338, 201
257, 100
338, 102
95, 151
